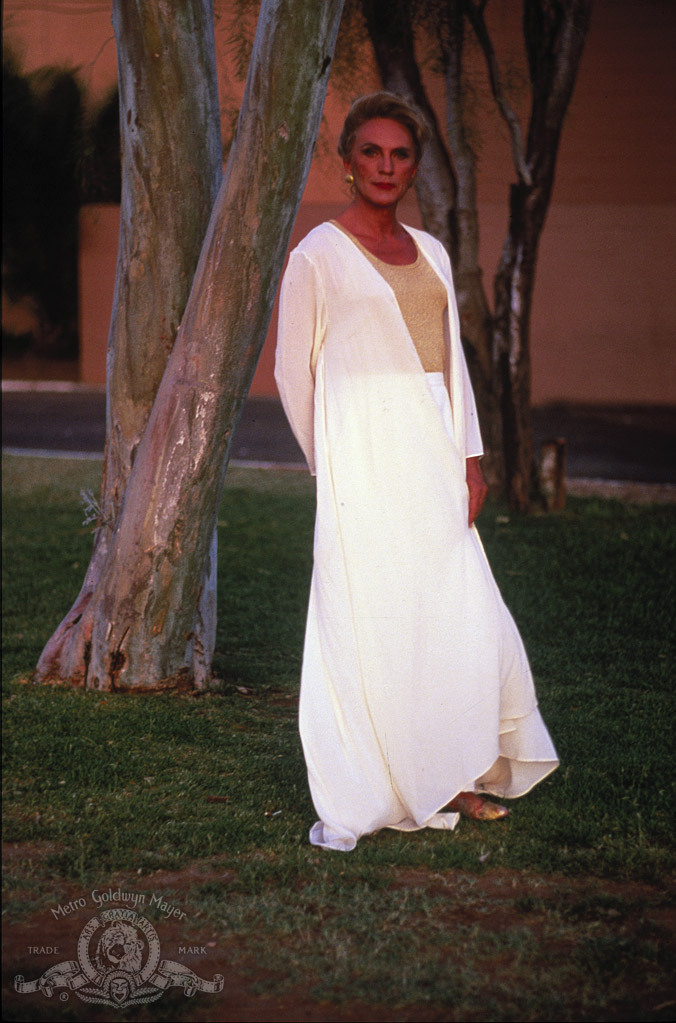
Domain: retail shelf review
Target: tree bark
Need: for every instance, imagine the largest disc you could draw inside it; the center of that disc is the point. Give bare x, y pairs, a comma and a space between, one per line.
497, 344
143, 615
390, 30
445, 200
554, 33
171, 160
475, 316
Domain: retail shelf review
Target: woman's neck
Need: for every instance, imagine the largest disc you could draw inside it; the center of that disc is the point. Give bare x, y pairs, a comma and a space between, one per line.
381, 234
371, 223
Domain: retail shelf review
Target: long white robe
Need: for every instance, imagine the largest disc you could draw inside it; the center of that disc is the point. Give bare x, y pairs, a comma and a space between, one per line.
415, 683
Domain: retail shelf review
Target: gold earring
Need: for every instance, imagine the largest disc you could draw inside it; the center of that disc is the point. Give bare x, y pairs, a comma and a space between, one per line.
349, 180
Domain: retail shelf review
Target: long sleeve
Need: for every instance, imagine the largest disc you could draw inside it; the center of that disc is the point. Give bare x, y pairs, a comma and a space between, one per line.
472, 432
302, 324
473, 443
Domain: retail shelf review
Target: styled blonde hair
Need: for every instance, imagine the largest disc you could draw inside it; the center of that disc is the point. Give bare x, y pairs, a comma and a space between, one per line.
383, 104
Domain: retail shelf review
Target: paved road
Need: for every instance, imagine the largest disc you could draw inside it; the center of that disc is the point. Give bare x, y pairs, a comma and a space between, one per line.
615, 443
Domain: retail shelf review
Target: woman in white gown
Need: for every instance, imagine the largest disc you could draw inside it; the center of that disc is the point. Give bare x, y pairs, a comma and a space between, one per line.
416, 694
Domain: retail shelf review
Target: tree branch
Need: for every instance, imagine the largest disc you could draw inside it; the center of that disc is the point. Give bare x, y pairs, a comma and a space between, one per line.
475, 15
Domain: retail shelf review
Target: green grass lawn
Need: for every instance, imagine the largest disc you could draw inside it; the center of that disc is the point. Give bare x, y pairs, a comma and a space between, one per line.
101, 785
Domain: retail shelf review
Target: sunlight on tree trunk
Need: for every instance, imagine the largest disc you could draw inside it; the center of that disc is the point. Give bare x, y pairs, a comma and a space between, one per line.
140, 626
171, 158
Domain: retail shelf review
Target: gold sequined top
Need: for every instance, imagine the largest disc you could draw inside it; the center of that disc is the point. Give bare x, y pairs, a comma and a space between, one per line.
422, 300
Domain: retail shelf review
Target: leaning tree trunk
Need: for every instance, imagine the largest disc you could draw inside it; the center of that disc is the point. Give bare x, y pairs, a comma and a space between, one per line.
143, 613
171, 159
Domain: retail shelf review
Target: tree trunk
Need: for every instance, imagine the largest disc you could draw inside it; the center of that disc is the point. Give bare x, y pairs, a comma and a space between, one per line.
145, 611
447, 201
554, 33
497, 345
171, 160
388, 23
514, 282
475, 316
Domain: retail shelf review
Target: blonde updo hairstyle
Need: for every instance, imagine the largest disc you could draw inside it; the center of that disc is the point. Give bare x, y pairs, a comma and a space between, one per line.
387, 105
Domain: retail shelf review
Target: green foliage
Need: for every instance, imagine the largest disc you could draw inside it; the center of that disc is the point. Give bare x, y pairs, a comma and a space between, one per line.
42, 125
100, 168
56, 155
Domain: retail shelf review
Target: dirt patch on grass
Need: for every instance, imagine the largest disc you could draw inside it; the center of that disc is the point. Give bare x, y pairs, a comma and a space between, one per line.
608, 944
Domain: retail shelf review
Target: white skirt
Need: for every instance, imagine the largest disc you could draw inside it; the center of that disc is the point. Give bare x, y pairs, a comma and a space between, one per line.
415, 682
437, 386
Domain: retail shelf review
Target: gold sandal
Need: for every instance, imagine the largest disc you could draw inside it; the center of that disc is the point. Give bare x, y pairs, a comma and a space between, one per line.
471, 805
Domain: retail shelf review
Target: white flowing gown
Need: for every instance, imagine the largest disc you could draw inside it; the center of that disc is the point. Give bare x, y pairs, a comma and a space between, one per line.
415, 683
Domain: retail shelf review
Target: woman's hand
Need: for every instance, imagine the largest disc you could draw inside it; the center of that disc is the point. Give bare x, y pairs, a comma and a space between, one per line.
476, 485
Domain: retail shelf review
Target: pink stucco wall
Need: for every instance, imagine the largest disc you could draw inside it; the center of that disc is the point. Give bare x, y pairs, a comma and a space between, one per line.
605, 299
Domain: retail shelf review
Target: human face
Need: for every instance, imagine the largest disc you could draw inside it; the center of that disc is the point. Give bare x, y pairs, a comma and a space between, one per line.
382, 161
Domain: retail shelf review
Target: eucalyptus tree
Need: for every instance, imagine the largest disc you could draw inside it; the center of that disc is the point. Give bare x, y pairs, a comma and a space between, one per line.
199, 262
